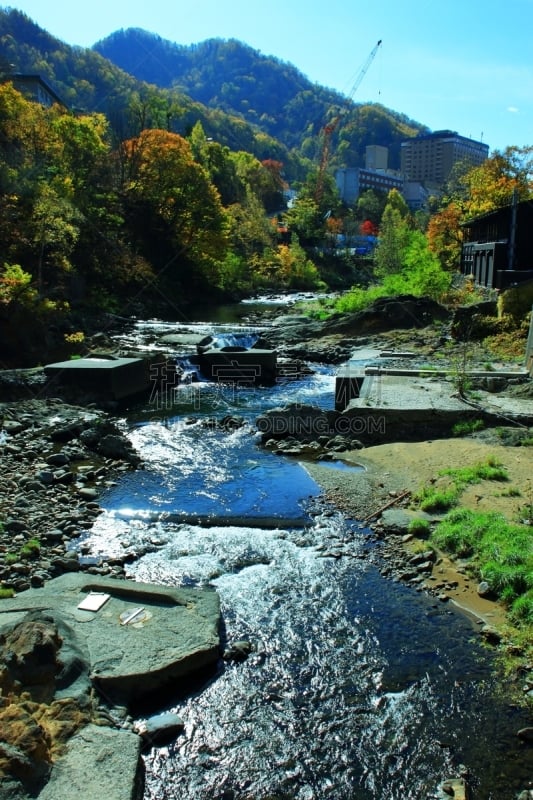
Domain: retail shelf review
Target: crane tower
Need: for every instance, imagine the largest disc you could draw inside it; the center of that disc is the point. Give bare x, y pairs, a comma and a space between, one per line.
330, 128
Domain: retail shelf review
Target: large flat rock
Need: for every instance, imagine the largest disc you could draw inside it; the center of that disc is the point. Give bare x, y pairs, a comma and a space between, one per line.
174, 633
98, 763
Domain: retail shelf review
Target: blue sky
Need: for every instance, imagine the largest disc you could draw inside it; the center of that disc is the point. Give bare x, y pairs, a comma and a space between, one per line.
466, 65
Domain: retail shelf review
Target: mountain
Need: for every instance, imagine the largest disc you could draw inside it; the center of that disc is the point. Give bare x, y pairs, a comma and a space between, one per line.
86, 81
271, 94
244, 100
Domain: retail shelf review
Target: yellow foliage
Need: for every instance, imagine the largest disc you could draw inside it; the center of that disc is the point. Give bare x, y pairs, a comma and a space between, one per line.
75, 338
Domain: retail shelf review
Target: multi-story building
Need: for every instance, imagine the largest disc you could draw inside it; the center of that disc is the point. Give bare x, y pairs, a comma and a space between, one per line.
351, 181
430, 158
354, 180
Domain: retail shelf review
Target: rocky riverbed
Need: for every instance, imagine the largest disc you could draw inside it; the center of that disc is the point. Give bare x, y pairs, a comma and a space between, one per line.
58, 457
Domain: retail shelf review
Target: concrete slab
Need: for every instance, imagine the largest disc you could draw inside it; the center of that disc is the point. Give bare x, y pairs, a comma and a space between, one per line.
142, 638
114, 377
392, 407
239, 365
407, 392
401, 391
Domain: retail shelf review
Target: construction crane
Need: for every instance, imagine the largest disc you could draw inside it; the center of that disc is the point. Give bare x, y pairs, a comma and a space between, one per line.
330, 127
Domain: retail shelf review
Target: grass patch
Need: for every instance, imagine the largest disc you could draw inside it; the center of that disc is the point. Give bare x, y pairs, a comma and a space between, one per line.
490, 470
500, 552
512, 491
30, 549
522, 609
437, 499
467, 427
6, 593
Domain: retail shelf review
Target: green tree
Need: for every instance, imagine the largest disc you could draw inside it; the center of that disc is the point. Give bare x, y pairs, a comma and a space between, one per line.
396, 201
251, 230
55, 232
219, 163
305, 219
393, 239
371, 205
421, 270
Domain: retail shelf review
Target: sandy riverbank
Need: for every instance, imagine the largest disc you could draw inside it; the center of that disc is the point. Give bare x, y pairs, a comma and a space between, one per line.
392, 469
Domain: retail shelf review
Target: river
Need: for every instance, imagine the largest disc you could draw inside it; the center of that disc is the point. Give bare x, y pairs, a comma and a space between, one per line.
357, 686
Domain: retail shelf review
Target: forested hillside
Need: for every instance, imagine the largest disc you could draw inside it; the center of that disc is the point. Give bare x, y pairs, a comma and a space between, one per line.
243, 99
126, 199
272, 94
88, 82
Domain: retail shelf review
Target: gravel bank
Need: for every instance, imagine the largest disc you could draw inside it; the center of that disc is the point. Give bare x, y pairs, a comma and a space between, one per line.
56, 459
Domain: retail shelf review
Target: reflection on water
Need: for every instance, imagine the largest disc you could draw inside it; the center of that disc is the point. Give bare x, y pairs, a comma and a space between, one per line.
357, 687
197, 469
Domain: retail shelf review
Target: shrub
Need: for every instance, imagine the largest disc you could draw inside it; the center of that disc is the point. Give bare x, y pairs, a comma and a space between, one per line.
418, 527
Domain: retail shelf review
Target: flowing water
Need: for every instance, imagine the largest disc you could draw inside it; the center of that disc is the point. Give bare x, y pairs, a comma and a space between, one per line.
357, 687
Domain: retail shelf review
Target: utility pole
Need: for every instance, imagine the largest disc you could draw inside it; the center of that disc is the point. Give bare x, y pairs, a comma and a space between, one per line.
512, 232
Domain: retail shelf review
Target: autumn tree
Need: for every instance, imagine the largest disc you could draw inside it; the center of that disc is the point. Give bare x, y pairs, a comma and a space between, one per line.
15, 287
475, 191
445, 236
368, 228
492, 184
173, 210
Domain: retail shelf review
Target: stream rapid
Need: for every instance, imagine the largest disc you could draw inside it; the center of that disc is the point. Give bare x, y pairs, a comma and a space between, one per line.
357, 686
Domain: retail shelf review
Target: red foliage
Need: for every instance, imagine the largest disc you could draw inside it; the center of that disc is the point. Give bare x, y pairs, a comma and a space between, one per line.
367, 228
